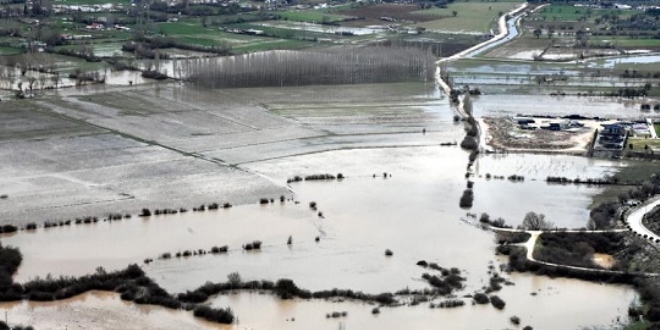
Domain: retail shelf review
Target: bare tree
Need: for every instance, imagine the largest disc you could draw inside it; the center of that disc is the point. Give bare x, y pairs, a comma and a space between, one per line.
535, 221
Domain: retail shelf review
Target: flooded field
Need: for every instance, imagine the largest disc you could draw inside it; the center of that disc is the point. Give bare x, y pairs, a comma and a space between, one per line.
100, 310
95, 151
432, 176
506, 105
535, 300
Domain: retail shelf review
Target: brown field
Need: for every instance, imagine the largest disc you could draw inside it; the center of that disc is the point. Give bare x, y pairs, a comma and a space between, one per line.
402, 14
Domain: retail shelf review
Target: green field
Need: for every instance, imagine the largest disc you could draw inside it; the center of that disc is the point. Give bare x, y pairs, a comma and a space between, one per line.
471, 16
92, 2
569, 13
627, 42
275, 44
656, 126
5, 50
178, 28
310, 16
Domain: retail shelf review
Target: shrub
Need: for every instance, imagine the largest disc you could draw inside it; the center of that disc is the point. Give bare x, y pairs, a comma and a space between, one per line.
466, 199
385, 298
8, 229
224, 316
153, 74
497, 302
469, 143
220, 249
653, 314
31, 226
286, 288
515, 320
480, 298
389, 253
264, 201
145, 213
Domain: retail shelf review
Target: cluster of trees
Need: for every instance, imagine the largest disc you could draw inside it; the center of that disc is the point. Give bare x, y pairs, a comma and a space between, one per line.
347, 65
643, 191
131, 283
628, 92
577, 249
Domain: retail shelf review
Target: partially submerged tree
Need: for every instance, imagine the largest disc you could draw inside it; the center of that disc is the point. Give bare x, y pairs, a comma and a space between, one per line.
534, 221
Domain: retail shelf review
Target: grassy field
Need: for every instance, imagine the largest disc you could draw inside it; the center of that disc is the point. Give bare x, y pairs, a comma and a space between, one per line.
4, 50
639, 325
573, 14
639, 143
656, 126
636, 171
279, 44
626, 42
92, 2
471, 16
310, 16
179, 28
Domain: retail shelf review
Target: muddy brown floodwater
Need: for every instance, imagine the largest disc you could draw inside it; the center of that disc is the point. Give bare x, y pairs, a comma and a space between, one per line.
414, 212
102, 311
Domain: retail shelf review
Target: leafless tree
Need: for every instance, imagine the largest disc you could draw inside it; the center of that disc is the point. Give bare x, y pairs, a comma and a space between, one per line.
343, 65
534, 221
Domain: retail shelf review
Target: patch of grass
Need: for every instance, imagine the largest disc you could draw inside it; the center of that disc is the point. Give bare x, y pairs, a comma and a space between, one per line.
627, 42
311, 16
471, 16
277, 44
6, 50
639, 325
639, 143
179, 28
556, 12
92, 2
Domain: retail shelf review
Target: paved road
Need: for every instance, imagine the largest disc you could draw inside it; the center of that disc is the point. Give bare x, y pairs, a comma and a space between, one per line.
634, 218
531, 243
649, 122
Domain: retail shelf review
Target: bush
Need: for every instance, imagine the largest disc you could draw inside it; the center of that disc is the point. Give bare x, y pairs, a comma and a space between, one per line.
469, 143
467, 199
653, 314
8, 229
385, 298
480, 298
224, 316
497, 302
145, 213
220, 249
286, 288
153, 74
389, 253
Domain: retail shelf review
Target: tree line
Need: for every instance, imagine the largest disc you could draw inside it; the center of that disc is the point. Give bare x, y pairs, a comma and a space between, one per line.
345, 65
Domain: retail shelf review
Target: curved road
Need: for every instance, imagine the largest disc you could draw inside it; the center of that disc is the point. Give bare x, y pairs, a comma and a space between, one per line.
634, 218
